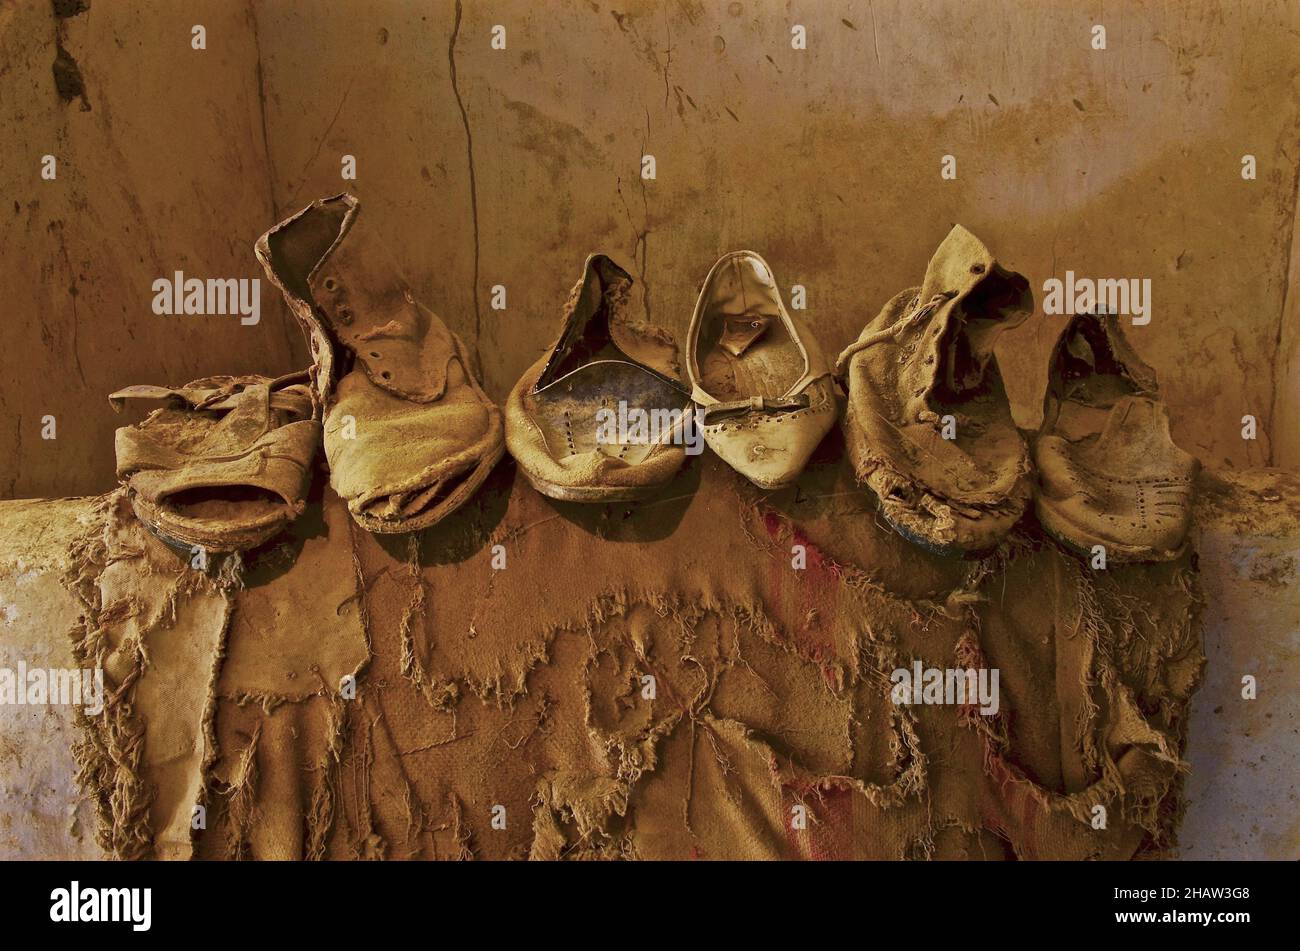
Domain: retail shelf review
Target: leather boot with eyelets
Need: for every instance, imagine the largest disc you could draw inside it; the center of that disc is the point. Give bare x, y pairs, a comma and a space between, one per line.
409, 433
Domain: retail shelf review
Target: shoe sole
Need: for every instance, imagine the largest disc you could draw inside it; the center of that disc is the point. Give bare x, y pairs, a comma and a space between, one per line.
943, 551
1059, 528
444, 508
173, 529
591, 494
935, 548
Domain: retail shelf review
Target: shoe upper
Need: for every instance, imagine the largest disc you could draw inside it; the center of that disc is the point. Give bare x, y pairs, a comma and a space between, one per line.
340, 282
1109, 472
929, 426
406, 424
571, 418
225, 462
763, 389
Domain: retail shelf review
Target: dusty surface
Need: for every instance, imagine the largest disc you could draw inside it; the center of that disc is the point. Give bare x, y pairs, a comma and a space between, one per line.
161, 167
1242, 793
1240, 790
508, 166
43, 812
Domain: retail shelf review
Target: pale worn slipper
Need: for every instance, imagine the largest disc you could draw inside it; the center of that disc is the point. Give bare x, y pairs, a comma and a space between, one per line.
600, 417
225, 464
763, 390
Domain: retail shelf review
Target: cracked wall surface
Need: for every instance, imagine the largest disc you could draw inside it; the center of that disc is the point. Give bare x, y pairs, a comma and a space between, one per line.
509, 166
161, 167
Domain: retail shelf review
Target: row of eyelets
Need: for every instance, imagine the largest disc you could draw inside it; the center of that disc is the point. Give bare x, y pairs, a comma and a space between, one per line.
344, 313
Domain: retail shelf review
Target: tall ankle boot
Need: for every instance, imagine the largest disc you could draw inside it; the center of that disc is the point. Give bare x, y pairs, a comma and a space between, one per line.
409, 434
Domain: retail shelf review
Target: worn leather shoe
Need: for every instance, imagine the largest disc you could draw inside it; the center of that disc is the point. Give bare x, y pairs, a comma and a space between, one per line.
224, 464
928, 426
600, 417
409, 433
1109, 473
763, 391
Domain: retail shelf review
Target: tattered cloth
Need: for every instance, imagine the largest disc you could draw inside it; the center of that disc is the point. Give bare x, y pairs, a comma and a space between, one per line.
703, 675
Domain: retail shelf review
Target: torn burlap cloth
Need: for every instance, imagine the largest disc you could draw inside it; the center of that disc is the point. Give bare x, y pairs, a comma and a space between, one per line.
538, 679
